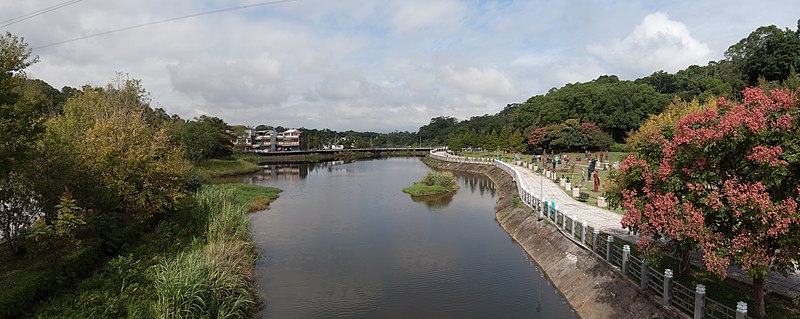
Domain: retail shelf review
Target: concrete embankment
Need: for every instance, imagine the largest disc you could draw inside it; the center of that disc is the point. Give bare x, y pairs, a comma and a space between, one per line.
591, 287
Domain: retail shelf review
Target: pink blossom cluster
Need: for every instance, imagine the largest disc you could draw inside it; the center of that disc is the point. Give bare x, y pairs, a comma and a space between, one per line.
733, 217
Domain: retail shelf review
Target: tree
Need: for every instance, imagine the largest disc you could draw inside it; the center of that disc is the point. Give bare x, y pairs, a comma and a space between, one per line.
62, 232
768, 51
570, 136
723, 177
110, 137
20, 108
200, 140
19, 208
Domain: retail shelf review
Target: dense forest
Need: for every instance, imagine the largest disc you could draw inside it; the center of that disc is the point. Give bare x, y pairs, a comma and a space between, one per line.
566, 118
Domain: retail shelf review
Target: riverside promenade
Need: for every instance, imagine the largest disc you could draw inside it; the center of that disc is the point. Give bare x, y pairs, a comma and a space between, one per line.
610, 222
545, 190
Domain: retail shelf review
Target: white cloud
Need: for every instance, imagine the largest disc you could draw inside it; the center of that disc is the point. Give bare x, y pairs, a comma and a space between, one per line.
658, 43
474, 80
373, 65
440, 15
235, 83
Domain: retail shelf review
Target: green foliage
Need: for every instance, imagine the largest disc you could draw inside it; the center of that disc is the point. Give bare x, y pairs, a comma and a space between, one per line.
433, 183
769, 52
224, 167
20, 105
517, 201
210, 280
249, 196
313, 157
136, 161
420, 189
62, 232
200, 140
570, 136
445, 179
194, 263
18, 209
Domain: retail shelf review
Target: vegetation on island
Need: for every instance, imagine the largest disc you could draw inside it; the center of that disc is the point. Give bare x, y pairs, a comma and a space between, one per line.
432, 184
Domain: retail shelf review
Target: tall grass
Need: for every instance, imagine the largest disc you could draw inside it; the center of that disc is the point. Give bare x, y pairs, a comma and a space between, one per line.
253, 197
445, 179
194, 263
213, 279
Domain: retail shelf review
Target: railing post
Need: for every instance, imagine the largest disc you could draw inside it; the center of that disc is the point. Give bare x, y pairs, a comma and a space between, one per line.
595, 234
699, 302
667, 288
741, 310
583, 232
644, 279
609, 243
572, 229
563, 221
626, 255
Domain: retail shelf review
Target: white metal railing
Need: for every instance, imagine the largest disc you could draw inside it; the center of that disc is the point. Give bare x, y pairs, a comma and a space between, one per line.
690, 303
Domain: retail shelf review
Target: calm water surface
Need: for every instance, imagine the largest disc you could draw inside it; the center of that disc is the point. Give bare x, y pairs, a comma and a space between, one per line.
344, 241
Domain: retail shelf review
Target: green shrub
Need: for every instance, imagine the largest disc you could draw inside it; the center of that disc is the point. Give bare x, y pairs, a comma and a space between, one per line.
445, 179
617, 147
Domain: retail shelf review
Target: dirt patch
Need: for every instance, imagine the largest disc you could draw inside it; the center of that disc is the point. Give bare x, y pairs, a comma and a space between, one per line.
590, 286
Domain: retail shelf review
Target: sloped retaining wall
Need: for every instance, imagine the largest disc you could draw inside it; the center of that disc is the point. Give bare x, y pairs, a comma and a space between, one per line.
588, 283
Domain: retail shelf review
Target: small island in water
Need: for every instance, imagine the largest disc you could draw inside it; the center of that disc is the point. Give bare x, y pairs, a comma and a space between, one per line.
434, 183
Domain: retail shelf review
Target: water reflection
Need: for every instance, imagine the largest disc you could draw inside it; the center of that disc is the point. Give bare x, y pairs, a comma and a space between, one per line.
434, 201
288, 172
344, 241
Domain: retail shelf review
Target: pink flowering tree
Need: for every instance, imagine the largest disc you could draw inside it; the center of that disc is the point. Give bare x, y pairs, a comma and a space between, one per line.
723, 177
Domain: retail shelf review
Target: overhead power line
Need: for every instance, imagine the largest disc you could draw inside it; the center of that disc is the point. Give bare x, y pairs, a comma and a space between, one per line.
247, 6
39, 12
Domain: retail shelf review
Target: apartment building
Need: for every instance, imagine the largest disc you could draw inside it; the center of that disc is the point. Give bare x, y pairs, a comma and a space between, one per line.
272, 141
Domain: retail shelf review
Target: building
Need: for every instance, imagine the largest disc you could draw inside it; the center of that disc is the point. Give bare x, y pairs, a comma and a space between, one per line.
272, 141
288, 140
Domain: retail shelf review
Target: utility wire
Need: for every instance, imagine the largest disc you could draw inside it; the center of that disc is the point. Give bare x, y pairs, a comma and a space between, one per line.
39, 12
164, 21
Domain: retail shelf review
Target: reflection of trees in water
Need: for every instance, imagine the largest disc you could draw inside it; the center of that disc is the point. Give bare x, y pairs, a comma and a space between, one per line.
472, 181
281, 172
435, 201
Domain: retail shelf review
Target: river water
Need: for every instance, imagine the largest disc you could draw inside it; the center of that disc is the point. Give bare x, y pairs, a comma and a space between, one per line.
344, 241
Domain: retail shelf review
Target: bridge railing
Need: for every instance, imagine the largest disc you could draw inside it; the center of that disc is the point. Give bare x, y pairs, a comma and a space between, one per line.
693, 304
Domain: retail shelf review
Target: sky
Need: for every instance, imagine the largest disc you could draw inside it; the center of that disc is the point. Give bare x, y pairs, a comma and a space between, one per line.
377, 65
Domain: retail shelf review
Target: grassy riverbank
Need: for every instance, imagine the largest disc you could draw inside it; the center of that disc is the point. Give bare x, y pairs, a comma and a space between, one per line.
251, 197
194, 262
225, 167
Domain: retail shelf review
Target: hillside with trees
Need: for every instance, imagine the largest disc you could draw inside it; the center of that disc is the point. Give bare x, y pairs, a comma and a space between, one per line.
768, 57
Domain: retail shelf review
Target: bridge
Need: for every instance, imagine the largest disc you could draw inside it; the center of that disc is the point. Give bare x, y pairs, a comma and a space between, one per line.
376, 150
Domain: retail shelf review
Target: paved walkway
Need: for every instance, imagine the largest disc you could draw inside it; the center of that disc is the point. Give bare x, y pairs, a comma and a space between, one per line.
605, 220
609, 222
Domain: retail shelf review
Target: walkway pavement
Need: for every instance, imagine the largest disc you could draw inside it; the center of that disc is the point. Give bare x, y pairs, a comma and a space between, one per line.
609, 222
605, 220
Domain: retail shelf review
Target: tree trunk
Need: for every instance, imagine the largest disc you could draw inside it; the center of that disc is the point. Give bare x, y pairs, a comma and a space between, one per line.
759, 311
683, 268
